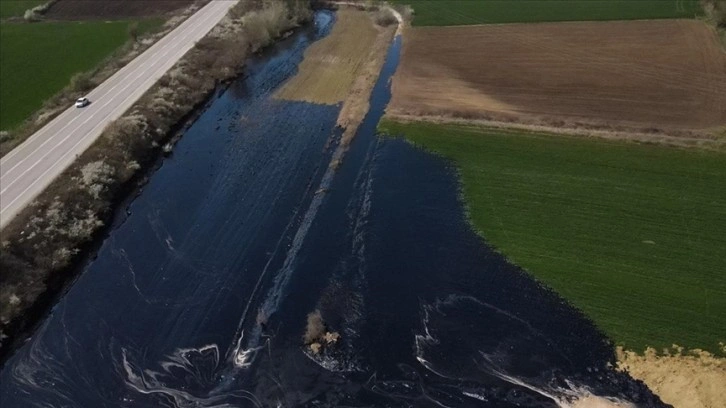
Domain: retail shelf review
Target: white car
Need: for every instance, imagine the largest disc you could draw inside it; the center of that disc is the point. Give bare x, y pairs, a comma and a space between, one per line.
81, 102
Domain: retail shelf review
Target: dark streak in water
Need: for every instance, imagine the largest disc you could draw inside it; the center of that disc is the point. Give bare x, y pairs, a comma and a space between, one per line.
232, 224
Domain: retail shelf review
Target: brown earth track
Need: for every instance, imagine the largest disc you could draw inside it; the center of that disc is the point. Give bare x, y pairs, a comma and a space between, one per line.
646, 75
113, 9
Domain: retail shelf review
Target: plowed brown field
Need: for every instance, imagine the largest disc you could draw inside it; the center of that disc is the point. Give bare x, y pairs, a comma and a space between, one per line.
668, 75
113, 9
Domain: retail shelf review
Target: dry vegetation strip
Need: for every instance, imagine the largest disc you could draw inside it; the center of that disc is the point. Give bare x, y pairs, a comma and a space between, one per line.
645, 75
332, 64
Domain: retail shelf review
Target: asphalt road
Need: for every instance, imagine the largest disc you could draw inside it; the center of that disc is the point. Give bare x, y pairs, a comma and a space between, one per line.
32, 166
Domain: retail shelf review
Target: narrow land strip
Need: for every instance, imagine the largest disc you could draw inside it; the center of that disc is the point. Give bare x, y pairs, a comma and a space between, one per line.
331, 65
343, 67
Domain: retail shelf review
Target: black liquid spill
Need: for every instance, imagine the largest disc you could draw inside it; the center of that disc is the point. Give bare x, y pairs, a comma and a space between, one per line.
199, 298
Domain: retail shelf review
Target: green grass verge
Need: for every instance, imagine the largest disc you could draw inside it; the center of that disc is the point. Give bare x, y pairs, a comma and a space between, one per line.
463, 12
633, 235
16, 8
38, 60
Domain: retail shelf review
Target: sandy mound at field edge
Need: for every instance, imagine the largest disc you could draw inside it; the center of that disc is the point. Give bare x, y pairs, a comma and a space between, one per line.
693, 379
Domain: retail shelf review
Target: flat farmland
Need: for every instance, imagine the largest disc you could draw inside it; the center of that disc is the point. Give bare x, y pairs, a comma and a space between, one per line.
667, 75
113, 9
38, 60
16, 8
466, 12
633, 235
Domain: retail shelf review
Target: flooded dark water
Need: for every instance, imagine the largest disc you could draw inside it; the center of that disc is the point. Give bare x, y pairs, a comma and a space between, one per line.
244, 224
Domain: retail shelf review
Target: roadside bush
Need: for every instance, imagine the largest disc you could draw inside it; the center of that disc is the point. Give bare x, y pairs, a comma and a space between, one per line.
262, 26
31, 16
315, 328
405, 11
36, 13
82, 82
384, 17
716, 11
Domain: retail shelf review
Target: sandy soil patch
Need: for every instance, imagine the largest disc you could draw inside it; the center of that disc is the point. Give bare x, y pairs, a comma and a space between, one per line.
686, 380
113, 9
645, 75
332, 64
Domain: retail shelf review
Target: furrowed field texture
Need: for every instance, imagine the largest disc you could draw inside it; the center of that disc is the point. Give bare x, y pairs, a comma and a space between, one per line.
464, 12
37, 60
16, 8
633, 235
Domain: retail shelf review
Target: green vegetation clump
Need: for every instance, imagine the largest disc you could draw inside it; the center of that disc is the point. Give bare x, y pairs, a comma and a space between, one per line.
633, 235
16, 8
465, 12
38, 60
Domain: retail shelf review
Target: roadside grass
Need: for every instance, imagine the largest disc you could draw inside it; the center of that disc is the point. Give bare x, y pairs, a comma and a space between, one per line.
38, 60
16, 8
465, 12
633, 235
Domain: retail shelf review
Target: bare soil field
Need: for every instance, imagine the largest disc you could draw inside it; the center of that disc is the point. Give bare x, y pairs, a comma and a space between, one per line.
113, 9
649, 76
332, 64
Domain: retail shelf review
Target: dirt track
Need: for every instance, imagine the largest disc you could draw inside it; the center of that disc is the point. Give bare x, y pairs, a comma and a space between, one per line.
113, 9
667, 75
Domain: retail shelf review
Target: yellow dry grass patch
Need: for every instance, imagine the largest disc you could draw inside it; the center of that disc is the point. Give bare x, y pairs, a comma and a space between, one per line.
332, 64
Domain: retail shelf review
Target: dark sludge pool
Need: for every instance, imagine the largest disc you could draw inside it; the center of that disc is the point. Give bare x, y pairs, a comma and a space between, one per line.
199, 297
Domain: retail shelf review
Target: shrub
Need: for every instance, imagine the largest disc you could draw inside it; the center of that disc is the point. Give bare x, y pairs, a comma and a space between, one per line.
716, 11
315, 329
384, 17
31, 16
36, 13
82, 82
133, 31
262, 26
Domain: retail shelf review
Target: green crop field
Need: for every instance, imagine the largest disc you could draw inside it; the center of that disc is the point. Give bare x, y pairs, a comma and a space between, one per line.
37, 60
16, 8
463, 12
633, 235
